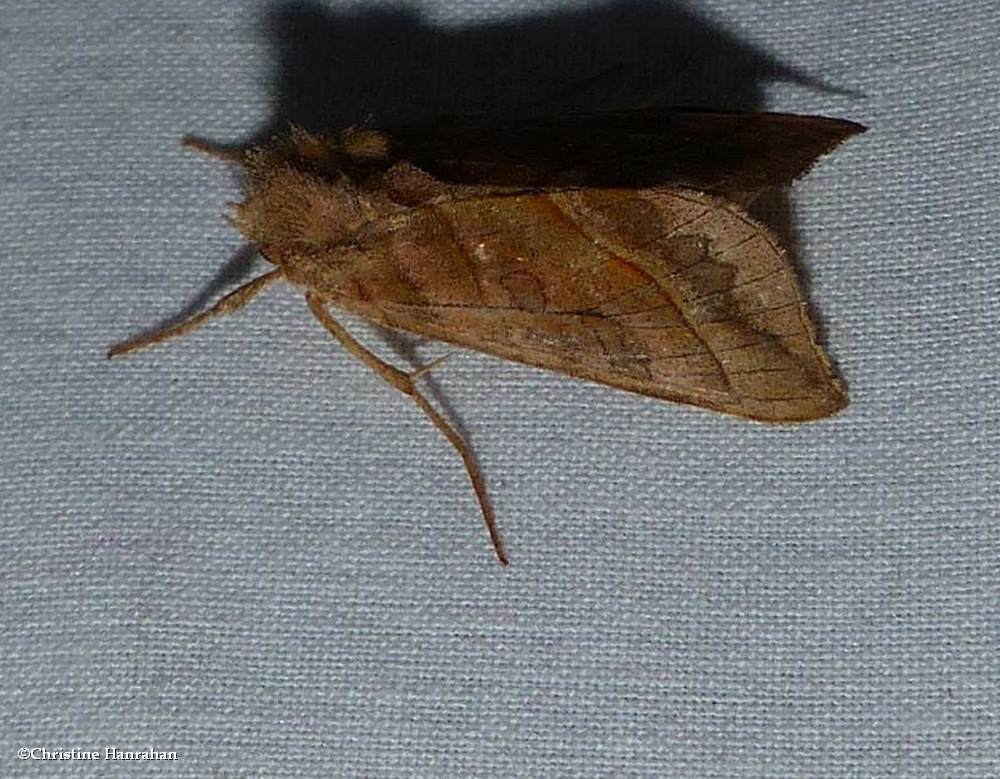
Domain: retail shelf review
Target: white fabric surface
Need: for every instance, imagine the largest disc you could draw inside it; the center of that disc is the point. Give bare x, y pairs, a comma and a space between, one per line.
245, 548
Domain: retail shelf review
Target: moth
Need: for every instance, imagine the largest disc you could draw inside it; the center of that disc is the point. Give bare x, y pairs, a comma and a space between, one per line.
613, 247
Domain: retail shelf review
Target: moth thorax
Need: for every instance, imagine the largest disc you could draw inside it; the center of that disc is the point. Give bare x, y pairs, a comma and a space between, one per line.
287, 207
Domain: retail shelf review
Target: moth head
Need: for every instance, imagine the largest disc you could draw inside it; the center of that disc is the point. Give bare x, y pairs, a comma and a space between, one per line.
288, 208
301, 191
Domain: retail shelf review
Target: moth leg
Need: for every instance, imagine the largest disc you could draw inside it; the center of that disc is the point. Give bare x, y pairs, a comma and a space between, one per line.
404, 383
219, 151
423, 370
234, 301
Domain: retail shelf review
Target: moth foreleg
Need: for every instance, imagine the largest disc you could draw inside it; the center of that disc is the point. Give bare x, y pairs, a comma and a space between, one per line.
404, 383
234, 301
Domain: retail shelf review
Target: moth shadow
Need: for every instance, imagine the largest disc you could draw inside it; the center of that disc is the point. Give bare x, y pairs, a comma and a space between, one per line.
394, 66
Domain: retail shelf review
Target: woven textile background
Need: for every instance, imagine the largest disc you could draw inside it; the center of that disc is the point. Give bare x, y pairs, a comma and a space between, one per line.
245, 548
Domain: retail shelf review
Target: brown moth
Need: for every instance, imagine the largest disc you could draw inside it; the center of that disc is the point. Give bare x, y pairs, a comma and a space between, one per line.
612, 247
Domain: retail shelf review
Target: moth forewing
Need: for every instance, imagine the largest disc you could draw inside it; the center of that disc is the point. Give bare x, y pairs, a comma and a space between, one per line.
666, 292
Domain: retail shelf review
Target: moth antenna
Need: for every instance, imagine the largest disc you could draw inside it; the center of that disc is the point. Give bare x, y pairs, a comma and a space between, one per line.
234, 301
235, 154
404, 383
